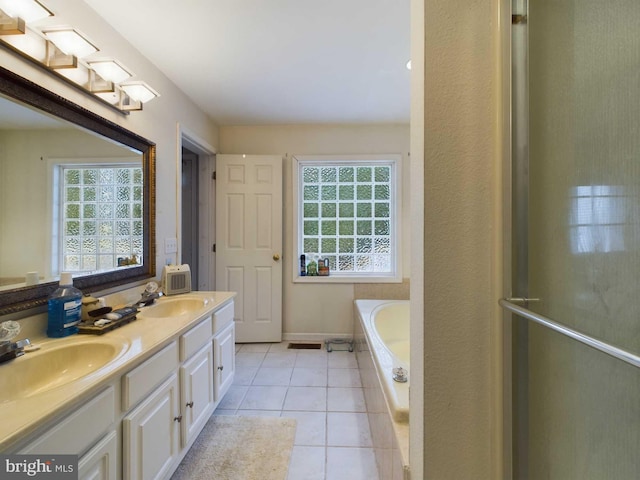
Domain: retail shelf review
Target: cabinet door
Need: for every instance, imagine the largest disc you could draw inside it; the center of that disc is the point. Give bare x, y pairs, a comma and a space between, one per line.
196, 378
224, 350
150, 434
100, 463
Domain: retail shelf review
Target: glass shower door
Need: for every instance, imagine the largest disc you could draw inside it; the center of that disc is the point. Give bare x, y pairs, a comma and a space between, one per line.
576, 204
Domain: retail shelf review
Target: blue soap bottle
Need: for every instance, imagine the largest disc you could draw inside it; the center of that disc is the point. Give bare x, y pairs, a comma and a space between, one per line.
64, 308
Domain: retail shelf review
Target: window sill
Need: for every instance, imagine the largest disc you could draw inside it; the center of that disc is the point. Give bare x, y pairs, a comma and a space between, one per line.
343, 279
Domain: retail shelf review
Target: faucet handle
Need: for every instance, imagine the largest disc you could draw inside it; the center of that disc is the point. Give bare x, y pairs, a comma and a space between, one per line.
9, 330
152, 287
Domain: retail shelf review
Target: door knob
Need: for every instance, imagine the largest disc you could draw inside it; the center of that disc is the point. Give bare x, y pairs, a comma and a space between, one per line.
276, 257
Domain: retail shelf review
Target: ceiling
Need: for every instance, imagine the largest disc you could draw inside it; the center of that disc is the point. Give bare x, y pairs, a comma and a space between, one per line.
257, 62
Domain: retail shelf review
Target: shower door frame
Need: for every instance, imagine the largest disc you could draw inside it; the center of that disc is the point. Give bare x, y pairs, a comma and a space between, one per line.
517, 331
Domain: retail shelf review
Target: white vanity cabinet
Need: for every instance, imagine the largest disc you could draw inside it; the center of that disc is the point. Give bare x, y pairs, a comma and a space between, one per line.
157, 432
101, 462
224, 350
224, 346
79, 431
139, 423
151, 434
196, 379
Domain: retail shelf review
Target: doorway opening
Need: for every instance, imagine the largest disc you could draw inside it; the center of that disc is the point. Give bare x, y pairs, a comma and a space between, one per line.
196, 194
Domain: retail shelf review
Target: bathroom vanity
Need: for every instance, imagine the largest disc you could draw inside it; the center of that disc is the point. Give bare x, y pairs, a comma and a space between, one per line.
131, 402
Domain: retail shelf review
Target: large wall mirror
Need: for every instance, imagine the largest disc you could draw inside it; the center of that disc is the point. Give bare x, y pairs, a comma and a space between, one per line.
77, 193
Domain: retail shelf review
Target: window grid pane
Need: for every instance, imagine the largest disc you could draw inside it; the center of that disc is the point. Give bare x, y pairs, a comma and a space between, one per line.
101, 210
346, 215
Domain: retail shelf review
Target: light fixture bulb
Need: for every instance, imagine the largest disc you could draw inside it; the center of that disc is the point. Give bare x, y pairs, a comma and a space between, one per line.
110, 70
139, 91
409, 65
70, 41
28, 10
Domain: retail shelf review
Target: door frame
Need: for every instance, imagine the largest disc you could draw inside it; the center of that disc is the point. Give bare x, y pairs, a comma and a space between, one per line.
207, 212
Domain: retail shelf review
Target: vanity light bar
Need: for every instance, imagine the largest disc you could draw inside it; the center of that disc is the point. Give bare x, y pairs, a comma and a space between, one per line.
10, 25
27, 10
58, 49
139, 91
110, 70
70, 41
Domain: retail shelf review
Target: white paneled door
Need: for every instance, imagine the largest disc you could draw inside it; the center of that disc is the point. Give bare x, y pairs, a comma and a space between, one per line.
249, 242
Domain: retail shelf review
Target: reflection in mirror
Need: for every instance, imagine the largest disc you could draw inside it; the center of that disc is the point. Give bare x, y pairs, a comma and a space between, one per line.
76, 194
81, 210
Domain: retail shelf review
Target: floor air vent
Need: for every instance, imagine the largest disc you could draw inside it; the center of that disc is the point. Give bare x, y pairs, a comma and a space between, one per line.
305, 346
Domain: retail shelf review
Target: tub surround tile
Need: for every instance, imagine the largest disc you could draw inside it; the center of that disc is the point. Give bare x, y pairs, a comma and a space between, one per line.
382, 291
390, 437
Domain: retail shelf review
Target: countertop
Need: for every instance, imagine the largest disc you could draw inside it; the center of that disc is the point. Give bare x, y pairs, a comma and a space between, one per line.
135, 342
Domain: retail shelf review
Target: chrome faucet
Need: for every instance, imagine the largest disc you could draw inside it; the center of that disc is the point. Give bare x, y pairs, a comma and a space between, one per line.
10, 350
149, 295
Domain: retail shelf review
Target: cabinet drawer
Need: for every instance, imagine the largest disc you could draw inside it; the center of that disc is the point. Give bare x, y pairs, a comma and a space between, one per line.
222, 317
100, 463
141, 380
195, 338
80, 430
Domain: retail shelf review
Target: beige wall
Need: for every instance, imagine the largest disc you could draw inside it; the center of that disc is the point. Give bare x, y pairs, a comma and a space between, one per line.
462, 187
319, 309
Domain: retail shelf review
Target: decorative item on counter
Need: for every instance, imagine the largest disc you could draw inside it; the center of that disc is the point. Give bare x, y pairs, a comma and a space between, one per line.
31, 278
176, 279
125, 261
312, 268
89, 304
108, 319
323, 267
303, 265
64, 308
93, 308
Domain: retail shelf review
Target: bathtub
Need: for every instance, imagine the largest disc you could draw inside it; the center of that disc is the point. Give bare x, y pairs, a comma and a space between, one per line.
381, 338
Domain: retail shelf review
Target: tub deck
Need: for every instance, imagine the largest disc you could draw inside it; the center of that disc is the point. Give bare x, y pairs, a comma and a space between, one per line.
387, 401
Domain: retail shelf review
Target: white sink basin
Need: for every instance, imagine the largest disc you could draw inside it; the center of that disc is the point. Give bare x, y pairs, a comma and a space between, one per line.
54, 366
173, 307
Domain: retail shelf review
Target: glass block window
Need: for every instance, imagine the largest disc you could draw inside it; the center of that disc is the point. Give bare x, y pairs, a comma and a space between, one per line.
101, 217
348, 214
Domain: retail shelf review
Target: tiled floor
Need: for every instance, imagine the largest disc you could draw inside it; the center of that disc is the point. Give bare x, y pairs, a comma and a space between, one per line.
322, 391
